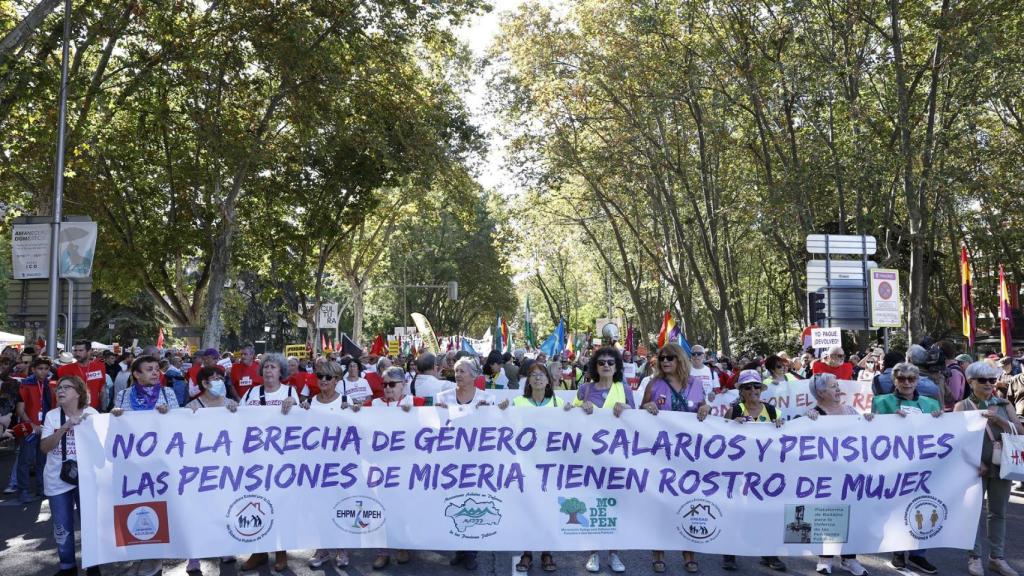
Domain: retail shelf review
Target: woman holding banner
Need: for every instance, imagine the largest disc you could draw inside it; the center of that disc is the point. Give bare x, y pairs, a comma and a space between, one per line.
672, 389
605, 391
982, 378
328, 373
828, 395
272, 392
212, 394
539, 392
904, 400
58, 443
465, 393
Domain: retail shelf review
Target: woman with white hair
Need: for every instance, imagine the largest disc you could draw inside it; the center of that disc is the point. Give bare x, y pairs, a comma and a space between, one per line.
827, 394
982, 378
904, 400
465, 393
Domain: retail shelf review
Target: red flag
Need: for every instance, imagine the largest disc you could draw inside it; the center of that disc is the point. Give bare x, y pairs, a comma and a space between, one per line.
160, 339
40, 345
337, 346
1005, 315
379, 348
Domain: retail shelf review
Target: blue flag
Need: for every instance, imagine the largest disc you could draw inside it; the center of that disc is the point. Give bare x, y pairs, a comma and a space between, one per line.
467, 347
555, 343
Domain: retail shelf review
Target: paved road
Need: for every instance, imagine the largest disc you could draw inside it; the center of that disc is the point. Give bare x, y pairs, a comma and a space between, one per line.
27, 549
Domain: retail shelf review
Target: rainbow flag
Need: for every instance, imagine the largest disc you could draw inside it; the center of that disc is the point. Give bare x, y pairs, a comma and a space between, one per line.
966, 302
1005, 315
667, 324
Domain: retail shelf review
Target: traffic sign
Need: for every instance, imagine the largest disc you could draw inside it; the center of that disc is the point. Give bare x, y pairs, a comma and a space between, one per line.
885, 298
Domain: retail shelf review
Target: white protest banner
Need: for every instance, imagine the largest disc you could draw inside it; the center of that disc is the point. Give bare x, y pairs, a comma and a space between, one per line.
508, 394
211, 483
826, 337
794, 398
328, 315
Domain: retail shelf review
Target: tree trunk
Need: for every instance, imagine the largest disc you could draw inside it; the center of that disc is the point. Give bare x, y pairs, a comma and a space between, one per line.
358, 288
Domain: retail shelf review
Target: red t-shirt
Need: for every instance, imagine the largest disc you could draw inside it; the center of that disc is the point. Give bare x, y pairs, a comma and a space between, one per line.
842, 372
480, 382
376, 384
304, 383
94, 374
245, 376
31, 393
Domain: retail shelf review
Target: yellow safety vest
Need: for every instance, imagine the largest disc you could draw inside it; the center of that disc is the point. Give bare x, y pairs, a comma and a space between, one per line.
617, 393
524, 402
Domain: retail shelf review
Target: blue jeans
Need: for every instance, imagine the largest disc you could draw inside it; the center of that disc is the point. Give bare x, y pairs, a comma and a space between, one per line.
30, 457
63, 510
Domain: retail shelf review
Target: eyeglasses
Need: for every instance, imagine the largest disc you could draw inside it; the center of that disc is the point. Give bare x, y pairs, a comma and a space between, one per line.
538, 376
907, 378
65, 387
606, 362
667, 358
391, 383
987, 380
322, 376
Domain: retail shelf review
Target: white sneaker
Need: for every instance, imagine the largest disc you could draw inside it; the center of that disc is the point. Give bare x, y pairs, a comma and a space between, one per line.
853, 567
974, 567
593, 563
319, 559
11, 490
616, 563
824, 566
1001, 567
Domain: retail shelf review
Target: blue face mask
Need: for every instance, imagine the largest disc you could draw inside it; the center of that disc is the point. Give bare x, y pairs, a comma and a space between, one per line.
217, 388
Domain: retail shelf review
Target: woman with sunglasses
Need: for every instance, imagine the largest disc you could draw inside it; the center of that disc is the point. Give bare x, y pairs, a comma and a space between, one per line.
605, 391
328, 373
750, 408
828, 395
354, 388
982, 378
672, 389
905, 399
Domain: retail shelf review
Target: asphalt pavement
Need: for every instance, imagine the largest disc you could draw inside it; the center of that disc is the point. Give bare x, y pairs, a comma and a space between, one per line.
27, 549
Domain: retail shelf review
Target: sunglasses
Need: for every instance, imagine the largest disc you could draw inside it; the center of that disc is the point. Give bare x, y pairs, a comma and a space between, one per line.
987, 380
606, 362
391, 383
322, 376
906, 378
745, 387
667, 358
698, 354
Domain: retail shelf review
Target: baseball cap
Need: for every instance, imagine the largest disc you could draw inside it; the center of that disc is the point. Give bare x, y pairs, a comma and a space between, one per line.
964, 358
749, 377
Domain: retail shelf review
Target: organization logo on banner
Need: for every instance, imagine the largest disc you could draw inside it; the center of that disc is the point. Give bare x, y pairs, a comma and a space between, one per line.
584, 519
924, 516
141, 523
473, 515
358, 515
699, 521
250, 518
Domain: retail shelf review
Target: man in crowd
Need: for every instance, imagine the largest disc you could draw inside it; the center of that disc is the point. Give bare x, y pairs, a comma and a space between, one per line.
705, 375
92, 371
834, 363
246, 373
511, 368
427, 384
36, 399
629, 370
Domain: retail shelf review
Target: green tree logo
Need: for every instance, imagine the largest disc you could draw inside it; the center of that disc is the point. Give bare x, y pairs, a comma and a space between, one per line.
573, 507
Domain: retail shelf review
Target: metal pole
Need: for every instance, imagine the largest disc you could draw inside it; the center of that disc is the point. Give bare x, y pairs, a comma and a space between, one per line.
58, 193
70, 326
405, 296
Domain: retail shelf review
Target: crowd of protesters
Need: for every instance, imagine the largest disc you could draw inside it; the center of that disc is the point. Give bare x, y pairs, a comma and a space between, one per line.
43, 399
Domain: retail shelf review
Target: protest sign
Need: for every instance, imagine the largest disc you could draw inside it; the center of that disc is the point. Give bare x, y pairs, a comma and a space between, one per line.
793, 398
826, 337
211, 483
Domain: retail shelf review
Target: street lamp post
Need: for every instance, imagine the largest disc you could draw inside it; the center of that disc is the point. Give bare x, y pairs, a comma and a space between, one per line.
58, 195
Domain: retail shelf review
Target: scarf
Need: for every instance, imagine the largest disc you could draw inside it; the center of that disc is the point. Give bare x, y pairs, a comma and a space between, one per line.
144, 397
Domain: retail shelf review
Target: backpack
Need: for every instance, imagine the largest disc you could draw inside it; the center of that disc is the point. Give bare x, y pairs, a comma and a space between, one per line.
946, 373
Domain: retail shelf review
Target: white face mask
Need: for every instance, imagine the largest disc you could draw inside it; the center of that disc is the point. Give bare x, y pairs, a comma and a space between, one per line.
217, 388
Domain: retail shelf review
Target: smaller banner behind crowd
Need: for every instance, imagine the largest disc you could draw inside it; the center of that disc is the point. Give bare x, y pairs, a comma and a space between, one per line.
792, 398
210, 483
